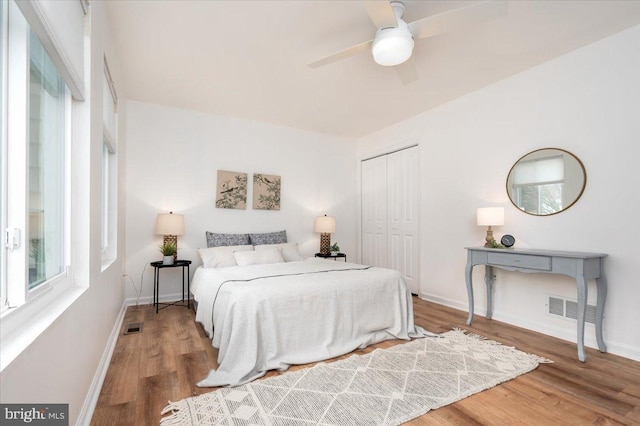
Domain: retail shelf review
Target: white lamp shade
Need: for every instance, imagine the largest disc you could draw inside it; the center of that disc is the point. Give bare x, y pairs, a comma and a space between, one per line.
325, 224
170, 224
490, 216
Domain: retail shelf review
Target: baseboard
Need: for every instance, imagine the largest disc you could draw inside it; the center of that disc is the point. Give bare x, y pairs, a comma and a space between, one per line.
615, 348
449, 303
148, 300
90, 401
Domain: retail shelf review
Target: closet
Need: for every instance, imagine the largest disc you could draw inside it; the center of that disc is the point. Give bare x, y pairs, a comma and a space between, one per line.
390, 212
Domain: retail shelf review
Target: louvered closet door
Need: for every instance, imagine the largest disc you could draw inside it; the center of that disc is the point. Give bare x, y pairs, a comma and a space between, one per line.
374, 212
390, 211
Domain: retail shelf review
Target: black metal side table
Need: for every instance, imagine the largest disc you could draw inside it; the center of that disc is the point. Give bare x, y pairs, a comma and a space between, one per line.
156, 282
333, 256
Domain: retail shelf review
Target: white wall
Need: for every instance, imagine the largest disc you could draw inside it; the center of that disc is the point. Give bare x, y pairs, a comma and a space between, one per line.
63, 364
587, 102
173, 157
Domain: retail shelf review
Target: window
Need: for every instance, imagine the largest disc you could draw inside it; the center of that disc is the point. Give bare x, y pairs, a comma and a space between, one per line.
538, 185
3, 164
540, 198
36, 105
47, 172
109, 168
42, 49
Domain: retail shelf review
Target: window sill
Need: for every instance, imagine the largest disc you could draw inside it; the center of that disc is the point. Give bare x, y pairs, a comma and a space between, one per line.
106, 263
21, 326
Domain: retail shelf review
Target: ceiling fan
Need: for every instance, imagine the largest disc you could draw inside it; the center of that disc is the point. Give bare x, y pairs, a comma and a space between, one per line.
394, 41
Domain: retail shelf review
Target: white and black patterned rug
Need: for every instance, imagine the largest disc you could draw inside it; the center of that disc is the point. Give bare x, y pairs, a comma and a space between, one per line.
384, 387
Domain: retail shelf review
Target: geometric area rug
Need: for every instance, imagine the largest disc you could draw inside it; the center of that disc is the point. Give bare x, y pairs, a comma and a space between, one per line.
384, 387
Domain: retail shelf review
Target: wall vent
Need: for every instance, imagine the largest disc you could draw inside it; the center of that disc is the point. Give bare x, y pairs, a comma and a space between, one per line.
556, 306
568, 308
134, 327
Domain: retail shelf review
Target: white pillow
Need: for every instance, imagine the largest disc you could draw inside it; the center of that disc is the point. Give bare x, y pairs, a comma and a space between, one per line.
219, 257
260, 257
290, 252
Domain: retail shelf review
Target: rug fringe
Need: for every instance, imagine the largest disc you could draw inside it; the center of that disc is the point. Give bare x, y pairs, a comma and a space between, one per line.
538, 358
179, 416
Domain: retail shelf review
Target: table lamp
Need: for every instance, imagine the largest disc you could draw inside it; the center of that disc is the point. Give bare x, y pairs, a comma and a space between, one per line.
170, 225
490, 216
325, 226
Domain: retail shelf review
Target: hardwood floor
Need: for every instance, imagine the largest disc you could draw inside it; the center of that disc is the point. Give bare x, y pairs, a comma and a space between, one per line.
172, 353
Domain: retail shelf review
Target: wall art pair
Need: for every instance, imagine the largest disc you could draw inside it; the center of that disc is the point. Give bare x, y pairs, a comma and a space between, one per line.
231, 191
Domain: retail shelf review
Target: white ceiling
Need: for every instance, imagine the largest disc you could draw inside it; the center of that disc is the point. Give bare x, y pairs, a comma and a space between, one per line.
248, 59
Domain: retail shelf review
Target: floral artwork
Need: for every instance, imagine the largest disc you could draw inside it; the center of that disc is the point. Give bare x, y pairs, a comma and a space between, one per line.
266, 192
231, 190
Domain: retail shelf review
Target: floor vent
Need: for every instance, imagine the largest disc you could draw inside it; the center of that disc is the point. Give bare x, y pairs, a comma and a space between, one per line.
134, 327
569, 309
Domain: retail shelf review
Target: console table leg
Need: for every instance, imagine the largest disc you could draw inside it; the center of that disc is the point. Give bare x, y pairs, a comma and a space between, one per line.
467, 276
488, 280
602, 297
582, 303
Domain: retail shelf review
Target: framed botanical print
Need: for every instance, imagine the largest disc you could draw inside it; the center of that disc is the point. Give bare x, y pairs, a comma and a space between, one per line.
266, 192
231, 190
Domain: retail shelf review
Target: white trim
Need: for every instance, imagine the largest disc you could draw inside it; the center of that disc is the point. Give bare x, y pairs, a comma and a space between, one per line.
47, 27
17, 168
567, 334
4, 37
91, 400
148, 300
23, 325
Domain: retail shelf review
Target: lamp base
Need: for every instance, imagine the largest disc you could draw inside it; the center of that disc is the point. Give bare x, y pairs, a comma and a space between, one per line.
489, 238
172, 239
325, 243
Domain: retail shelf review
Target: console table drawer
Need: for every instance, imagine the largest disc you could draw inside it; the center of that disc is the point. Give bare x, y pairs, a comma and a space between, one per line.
542, 263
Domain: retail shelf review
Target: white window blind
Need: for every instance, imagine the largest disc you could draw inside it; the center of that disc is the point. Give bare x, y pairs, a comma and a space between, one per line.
550, 169
59, 24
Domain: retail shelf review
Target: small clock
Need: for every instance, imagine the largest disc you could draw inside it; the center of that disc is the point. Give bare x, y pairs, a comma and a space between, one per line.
507, 240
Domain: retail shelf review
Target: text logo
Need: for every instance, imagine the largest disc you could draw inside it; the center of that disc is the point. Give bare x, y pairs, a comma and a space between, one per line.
34, 414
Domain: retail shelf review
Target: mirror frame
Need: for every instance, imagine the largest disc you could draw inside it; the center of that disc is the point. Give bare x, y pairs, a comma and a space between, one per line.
584, 183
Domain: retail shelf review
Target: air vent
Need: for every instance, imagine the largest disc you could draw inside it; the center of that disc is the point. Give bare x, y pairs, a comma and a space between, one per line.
556, 306
567, 308
134, 327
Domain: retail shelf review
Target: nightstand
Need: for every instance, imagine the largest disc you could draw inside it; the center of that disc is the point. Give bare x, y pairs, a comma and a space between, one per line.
156, 282
333, 256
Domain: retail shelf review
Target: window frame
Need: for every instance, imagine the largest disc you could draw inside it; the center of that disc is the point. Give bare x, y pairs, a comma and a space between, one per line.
4, 32
109, 237
33, 312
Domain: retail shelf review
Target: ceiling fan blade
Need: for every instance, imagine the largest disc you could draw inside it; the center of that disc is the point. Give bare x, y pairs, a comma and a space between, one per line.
381, 13
343, 54
407, 71
457, 19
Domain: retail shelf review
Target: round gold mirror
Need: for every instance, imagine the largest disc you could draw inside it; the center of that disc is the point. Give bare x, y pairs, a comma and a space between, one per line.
546, 181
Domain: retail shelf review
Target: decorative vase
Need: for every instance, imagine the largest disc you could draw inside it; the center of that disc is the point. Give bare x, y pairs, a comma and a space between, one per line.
167, 260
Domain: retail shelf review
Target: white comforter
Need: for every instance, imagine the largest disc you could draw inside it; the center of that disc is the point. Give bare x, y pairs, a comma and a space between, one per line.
264, 317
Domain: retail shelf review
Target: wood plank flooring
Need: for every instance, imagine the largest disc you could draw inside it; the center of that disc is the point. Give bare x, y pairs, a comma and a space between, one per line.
172, 353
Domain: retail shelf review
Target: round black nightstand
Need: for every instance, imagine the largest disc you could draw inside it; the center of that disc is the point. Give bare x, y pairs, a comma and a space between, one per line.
156, 281
333, 256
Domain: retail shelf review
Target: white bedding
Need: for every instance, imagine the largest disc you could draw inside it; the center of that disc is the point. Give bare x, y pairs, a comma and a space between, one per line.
272, 316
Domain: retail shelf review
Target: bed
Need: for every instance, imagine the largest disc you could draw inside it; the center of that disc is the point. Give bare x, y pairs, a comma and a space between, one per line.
270, 315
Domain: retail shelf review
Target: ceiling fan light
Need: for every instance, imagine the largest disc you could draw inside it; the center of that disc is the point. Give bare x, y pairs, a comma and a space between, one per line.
392, 46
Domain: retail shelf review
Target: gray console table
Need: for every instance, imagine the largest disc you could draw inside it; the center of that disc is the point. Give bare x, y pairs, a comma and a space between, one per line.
580, 266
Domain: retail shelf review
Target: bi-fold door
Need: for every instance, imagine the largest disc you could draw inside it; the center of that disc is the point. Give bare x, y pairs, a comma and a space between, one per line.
390, 212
